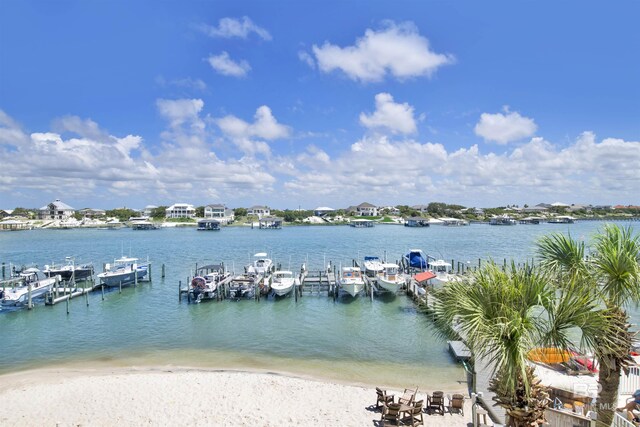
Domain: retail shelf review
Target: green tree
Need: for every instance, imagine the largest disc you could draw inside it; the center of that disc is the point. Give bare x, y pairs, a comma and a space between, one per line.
123, 214
200, 211
502, 316
22, 212
159, 213
239, 212
611, 276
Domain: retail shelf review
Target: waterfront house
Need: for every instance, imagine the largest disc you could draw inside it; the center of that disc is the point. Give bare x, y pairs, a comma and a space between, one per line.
148, 210
56, 210
421, 208
219, 212
91, 213
535, 209
181, 210
5, 213
366, 209
323, 210
259, 211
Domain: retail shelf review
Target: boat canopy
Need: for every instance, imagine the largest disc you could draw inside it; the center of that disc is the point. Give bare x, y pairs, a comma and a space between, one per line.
416, 259
423, 277
261, 254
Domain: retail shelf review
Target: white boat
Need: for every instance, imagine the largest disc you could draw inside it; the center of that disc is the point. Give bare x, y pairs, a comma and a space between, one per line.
391, 279
69, 270
283, 282
123, 271
442, 270
373, 267
261, 264
205, 285
33, 279
351, 280
244, 285
562, 219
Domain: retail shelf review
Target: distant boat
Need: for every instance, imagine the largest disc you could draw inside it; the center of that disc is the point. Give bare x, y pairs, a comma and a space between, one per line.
563, 219
78, 272
123, 271
31, 278
208, 225
351, 280
391, 278
503, 220
416, 221
361, 223
144, 225
283, 282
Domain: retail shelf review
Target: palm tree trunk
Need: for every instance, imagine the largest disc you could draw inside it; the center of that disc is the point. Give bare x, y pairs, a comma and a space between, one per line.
609, 373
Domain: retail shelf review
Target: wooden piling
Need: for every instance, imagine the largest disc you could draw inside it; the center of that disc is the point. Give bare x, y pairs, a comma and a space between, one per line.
120, 287
3, 273
163, 271
67, 300
102, 292
30, 303
179, 288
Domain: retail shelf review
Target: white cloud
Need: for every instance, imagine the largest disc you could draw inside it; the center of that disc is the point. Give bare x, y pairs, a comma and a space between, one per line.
265, 126
397, 50
505, 128
180, 111
234, 28
226, 66
306, 58
397, 118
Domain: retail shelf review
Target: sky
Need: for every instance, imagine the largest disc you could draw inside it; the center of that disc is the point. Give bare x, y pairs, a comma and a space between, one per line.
292, 104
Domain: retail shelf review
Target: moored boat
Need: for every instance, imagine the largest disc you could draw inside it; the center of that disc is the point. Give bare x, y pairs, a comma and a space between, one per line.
391, 279
415, 260
373, 267
32, 281
123, 271
562, 219
207, 280
69, 271
443, 271
244, 285
503, 220
283, 282
351, 280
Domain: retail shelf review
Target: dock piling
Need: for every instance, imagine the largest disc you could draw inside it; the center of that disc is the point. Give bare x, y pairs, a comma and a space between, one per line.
30, 303
67, 301
163, 271
102, 292
120, 287
179, 288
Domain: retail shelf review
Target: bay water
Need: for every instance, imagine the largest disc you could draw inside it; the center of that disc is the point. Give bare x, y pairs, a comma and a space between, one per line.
382, 342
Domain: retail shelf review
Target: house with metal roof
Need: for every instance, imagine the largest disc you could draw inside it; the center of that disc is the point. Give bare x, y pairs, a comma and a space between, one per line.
180, 210
56, 210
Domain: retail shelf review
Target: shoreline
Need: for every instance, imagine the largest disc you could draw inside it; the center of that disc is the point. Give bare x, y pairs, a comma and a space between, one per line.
169, 395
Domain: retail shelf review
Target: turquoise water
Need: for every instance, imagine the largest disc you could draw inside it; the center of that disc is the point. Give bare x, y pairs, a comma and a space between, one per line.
379, 342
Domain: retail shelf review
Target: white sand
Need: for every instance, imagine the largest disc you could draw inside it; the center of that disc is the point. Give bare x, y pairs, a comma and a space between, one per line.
181, 396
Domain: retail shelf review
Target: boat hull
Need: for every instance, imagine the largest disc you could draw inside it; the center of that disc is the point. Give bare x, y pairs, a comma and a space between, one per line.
281, 289
352, 289
117, 278
20, 295
390, 285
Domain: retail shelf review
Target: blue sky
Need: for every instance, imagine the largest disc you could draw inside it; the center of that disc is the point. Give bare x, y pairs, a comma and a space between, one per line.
114, 103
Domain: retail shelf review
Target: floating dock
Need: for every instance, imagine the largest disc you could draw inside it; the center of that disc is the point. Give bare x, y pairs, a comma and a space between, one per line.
459, 350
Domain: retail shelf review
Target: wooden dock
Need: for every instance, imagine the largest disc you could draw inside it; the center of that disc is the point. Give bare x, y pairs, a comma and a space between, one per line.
459, 350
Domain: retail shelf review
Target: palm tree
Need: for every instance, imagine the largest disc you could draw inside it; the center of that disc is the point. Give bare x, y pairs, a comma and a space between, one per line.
502, 316
612, 277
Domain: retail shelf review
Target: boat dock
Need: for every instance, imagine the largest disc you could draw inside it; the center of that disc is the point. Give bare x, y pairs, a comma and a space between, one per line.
459, 350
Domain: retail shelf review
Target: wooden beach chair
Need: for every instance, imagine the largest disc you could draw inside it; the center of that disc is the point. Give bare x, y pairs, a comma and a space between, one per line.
435, 403
408, 396
413, 416
456, 403
383, 398
390, 414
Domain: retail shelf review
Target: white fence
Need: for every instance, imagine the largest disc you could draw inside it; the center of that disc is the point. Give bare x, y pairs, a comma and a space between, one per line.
620, 421
631, 382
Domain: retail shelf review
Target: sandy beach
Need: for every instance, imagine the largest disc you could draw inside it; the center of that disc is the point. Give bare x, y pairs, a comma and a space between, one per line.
185, 396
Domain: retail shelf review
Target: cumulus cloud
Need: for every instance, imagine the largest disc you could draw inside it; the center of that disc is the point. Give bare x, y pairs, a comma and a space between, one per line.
226, 66
397, 50
180, 111
390, 116
243, 134
305, 57
505, 128
586, 170
234, 28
